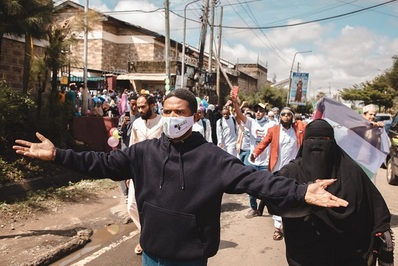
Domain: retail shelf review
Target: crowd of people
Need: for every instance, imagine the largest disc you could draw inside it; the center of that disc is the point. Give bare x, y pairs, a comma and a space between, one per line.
269, 153
104, 103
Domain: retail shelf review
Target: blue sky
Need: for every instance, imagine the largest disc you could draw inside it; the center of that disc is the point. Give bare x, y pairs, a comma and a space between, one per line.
345, 51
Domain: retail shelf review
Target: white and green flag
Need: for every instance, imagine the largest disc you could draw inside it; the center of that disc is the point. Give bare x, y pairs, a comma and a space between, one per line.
366, 144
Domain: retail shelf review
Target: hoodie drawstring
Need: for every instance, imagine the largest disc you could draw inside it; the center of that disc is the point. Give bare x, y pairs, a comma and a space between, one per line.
164, 165
180, 162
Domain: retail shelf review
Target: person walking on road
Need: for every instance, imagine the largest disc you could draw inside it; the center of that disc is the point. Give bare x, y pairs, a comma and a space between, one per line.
284, 140
203, 125
227, 132
124, 129
257, 128
179, 206
147, 126
357, 235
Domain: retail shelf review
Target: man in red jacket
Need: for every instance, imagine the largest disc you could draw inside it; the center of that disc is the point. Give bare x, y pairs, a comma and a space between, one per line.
285, 140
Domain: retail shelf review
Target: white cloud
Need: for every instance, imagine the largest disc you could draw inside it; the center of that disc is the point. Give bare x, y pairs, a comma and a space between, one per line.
345, 51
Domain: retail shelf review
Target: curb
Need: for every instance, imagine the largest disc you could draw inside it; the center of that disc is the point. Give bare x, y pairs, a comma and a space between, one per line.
77, 241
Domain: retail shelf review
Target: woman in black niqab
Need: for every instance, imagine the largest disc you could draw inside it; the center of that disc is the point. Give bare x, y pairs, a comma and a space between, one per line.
335, 236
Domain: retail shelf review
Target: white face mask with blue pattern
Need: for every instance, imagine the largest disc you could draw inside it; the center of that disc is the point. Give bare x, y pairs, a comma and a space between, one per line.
175, 127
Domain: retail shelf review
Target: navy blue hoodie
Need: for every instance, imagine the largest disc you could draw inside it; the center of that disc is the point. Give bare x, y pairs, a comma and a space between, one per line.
179, 188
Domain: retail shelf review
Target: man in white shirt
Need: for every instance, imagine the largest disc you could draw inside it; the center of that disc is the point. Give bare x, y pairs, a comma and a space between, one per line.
258, 128
203, 125
284, 141
148, 126
227, 132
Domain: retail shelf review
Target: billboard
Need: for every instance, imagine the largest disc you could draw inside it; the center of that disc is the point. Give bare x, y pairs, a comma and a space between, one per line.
299, 88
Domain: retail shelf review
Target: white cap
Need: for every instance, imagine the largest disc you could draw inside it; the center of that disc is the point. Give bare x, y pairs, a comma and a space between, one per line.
369, 107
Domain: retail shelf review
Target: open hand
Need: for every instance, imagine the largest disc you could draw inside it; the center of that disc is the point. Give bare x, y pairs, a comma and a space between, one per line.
318, 196
44, 150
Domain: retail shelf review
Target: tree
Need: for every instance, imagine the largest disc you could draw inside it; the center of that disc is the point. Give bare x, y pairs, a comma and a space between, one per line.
56, 54
10, 11
271, 95
378, 91
36, 19
28, 18
392, 74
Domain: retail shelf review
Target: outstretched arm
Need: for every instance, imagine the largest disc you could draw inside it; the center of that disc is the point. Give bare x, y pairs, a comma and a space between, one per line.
318, 196
315, 196
238, 112
44, 150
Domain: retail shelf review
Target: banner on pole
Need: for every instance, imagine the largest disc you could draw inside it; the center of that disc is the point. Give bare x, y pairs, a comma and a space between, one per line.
299, 88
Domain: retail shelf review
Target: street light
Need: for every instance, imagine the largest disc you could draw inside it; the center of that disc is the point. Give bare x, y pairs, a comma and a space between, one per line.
291, 73
183, 43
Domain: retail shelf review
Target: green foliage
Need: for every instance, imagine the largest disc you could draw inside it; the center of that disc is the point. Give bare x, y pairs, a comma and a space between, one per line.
308, 108
392, 74
25, 16
23, 168
54, 123
272, 96
15, 116
378, 91
18, 121
381, 90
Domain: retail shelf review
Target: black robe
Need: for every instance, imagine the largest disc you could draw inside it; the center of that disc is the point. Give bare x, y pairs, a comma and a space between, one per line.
336, 236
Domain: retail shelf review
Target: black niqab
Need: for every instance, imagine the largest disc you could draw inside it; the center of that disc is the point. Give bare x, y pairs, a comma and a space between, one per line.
318, 151
333, 236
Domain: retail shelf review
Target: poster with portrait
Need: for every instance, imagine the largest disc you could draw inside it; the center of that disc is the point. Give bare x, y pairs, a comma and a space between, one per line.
299, 88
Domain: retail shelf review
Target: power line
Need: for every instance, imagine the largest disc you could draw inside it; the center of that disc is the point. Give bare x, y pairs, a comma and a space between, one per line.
271, 45
383, 13
135, 11
311, 21
261, 27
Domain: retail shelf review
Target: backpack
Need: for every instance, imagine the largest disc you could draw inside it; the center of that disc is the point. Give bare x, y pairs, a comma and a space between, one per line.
204, 126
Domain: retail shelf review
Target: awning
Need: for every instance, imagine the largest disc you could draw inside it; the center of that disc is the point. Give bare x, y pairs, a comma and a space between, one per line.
80, 79
143, 76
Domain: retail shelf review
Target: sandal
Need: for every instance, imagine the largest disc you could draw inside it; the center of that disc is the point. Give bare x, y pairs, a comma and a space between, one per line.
278, 234
138, 249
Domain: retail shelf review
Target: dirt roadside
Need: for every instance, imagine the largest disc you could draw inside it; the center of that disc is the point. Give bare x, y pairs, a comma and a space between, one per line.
44, 236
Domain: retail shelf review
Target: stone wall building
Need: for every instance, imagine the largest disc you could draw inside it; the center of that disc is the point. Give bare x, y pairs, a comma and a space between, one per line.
12, 60
121, 55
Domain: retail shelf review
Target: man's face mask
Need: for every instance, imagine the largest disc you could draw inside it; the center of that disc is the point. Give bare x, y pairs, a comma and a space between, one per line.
175, 127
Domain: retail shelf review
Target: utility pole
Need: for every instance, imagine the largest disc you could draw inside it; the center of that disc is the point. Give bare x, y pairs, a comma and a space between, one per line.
85, 50
213, 4
203, 35
218, 55
183, 43
167, 46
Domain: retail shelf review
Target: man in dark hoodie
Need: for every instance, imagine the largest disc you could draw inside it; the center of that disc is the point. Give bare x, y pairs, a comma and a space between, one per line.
179, 207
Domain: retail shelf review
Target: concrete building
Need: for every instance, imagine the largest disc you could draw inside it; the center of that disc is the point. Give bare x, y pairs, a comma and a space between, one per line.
121, 55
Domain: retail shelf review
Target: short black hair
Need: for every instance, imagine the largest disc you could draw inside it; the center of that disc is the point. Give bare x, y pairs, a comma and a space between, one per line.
149, 99
133, 97
186, 95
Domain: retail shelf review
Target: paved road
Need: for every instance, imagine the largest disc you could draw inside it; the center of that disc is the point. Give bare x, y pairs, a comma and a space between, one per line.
243, 241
